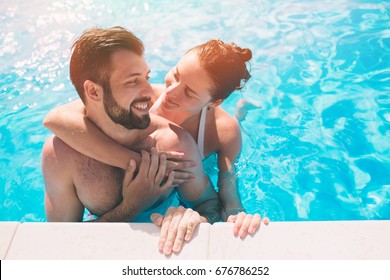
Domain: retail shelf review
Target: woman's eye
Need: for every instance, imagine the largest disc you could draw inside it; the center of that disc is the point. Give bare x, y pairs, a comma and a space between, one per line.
187, 94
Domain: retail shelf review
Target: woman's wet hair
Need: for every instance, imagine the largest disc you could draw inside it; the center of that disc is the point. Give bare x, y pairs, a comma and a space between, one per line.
226, 65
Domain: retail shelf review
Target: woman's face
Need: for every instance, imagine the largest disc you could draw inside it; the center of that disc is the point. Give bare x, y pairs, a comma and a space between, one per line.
187, 85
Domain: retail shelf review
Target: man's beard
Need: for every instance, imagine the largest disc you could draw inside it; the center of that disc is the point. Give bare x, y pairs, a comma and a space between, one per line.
122, 116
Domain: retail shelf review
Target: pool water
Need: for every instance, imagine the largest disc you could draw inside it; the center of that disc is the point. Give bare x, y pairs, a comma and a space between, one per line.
315, 116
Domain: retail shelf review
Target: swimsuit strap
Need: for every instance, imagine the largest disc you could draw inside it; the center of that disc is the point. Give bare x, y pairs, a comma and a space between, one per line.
157, 104
201, 131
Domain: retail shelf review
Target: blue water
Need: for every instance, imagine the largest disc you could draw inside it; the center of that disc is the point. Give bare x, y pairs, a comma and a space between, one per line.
316, 124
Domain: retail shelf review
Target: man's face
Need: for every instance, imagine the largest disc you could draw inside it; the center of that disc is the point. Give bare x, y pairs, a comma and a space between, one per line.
127, 99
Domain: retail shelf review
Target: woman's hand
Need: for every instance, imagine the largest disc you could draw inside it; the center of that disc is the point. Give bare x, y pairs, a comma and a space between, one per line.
175, 162
178, 225
246, 223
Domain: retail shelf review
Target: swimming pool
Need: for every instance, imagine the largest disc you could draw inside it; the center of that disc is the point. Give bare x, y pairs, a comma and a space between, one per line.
316, 124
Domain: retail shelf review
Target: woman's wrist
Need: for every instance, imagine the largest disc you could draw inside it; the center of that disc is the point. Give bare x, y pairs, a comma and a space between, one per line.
234, 211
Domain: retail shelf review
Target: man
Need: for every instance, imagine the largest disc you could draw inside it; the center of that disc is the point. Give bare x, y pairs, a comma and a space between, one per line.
110, 75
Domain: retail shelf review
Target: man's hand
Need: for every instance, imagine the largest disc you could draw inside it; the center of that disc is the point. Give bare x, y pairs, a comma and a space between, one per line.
142, 191
175, 162
177, 225
246, 223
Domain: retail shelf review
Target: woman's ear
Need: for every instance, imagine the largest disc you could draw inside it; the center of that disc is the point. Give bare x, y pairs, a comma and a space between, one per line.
92, 91
215, 103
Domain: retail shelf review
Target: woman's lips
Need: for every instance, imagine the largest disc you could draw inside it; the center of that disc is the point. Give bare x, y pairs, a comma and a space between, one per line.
169, 101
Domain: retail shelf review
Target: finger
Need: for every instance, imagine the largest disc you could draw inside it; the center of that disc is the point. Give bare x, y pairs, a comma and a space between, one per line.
153, 167
165, 227
238, 223
172, 155
168, 182
145, 162
231, 218
245, 225
129, 174
181, 165
192, 224
181, 231
266, 221
173, 228
161, 170
157, 219
255, 224
177, 182
184, 175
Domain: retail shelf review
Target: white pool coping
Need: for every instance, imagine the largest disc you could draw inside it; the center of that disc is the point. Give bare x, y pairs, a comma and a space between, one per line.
341, 240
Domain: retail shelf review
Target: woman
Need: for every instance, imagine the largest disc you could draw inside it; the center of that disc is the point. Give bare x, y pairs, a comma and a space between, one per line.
204, 77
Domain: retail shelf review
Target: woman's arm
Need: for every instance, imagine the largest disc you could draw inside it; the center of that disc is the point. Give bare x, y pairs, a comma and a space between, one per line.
71, 125
229, 149
232, 208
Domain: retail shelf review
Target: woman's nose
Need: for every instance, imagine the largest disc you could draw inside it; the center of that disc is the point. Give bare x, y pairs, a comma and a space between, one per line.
172, 88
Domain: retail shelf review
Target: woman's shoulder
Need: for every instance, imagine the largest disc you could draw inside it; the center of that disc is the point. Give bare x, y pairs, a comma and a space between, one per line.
224, 120
227, 127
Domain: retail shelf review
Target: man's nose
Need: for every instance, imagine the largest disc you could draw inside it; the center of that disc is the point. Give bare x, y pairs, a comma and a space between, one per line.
147, 89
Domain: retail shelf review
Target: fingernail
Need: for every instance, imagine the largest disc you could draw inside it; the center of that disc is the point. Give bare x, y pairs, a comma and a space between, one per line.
176, 248
158, 219
131, 164
235, 231
167, 250
242, 233
251, 230
160, 246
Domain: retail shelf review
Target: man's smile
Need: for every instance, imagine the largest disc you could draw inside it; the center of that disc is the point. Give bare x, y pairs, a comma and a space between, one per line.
141, 104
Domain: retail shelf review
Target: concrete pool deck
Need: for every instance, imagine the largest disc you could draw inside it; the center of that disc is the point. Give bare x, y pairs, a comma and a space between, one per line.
336, 240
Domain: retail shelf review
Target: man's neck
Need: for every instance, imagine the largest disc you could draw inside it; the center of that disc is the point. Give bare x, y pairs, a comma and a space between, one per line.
119, 133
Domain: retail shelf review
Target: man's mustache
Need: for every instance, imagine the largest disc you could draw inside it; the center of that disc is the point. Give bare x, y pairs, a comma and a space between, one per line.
142, 99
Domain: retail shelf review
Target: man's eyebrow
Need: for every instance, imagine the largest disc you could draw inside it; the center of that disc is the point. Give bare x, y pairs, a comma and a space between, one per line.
190, 89
136, 74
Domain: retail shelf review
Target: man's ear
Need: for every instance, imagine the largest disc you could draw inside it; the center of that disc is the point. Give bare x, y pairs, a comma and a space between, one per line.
93, 91
215, 103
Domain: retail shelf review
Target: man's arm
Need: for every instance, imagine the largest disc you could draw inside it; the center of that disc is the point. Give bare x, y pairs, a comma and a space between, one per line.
69, 123
61, 201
